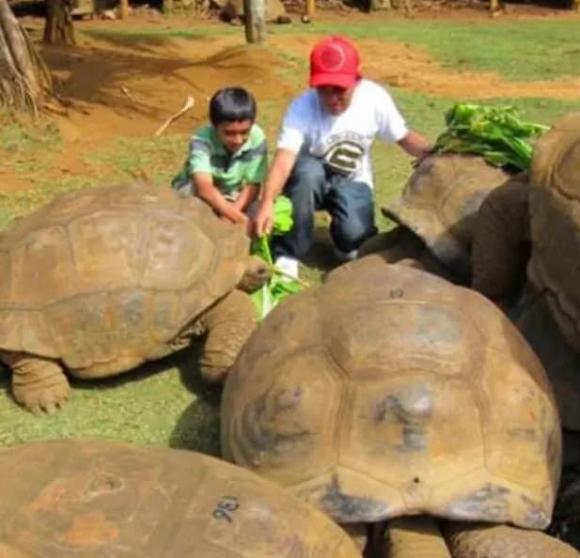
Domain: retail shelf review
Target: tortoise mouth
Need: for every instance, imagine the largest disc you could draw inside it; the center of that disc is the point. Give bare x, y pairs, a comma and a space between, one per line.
253, 279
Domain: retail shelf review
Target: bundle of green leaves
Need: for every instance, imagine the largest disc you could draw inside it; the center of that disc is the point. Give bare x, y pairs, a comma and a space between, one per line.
496, 133
279, 286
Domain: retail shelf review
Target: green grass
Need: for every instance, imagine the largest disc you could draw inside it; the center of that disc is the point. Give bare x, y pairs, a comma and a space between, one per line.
159, 158
28, 148
519, 51
165, 403
526, 50
18, 137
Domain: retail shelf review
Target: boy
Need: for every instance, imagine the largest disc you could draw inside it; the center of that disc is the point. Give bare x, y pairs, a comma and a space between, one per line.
227, 159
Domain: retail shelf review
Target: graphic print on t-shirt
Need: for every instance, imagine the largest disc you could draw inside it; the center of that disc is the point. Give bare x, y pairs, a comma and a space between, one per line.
344, 154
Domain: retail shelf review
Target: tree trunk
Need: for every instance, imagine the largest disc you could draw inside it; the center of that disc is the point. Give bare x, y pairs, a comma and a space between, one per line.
123, 9
255, 20
24, 79
59, 25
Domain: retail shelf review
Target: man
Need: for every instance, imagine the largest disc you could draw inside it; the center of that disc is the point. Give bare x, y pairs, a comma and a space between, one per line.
322, 159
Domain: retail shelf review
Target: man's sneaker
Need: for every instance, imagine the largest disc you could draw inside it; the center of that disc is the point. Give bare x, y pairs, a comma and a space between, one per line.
288, 266
345, 256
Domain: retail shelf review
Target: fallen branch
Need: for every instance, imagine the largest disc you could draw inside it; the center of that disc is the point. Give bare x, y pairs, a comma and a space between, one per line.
126, 92
53, 108
189, 103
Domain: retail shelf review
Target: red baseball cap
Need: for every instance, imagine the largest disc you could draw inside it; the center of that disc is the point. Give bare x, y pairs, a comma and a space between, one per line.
334, 61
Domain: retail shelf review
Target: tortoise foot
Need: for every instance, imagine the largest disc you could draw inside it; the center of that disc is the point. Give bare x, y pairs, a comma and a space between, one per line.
43, 399
38, 384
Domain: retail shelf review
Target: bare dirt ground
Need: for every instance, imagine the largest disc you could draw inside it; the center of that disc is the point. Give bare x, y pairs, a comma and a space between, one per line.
122, 86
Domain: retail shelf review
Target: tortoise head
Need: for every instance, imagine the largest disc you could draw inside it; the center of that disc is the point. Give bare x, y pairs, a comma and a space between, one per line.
256, 273
439, 203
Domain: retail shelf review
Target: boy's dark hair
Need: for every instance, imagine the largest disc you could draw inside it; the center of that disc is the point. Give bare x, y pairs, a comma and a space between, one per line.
232, 104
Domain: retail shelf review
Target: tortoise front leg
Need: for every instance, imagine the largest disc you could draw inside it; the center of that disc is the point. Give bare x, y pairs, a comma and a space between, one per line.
229, 323
469, 540
501, 236
415, 537
39, 384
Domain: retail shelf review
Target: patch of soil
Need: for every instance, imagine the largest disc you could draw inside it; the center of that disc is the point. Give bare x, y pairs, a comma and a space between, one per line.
117, 88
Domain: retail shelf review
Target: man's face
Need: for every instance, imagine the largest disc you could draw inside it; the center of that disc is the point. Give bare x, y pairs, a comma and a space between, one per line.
234, 134
335, 99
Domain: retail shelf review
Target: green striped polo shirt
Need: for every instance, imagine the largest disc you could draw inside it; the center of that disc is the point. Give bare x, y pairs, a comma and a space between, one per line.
230, 171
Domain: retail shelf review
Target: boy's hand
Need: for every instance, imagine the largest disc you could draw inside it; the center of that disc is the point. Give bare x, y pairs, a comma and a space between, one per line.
236, 216
238, 205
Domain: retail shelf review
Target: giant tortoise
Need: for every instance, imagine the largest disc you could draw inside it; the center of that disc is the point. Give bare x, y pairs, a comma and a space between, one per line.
436, 211
102, 280
97, 499
542, 210
390, 392
525, 250
534, 225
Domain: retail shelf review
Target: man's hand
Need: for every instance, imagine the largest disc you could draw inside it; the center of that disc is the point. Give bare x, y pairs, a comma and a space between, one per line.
416, 145
264, 220
416, 162
277, 176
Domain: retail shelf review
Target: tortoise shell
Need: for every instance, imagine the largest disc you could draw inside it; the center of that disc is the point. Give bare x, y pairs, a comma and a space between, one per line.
85, 499
110, 276
389, 391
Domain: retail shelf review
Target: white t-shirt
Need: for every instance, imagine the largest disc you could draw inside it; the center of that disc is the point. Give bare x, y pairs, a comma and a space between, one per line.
343, 141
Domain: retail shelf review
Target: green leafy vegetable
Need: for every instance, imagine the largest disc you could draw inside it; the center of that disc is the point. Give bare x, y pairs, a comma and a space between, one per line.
279, 286
496, 133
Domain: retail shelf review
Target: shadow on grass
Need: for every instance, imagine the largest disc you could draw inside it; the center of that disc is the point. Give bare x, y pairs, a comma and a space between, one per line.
130, 408
321, 255
198, 427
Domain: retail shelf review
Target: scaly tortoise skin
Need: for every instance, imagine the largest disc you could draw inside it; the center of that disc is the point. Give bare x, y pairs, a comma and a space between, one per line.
100, 281
555, 223
93, 499
439, 204
389, 392
526, 242
540, 209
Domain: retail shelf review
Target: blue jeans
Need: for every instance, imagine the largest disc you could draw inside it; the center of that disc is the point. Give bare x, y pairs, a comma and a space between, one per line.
350, 204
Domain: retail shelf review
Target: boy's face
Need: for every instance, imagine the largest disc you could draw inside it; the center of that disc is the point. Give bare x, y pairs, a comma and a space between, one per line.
335, 99
234, 134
